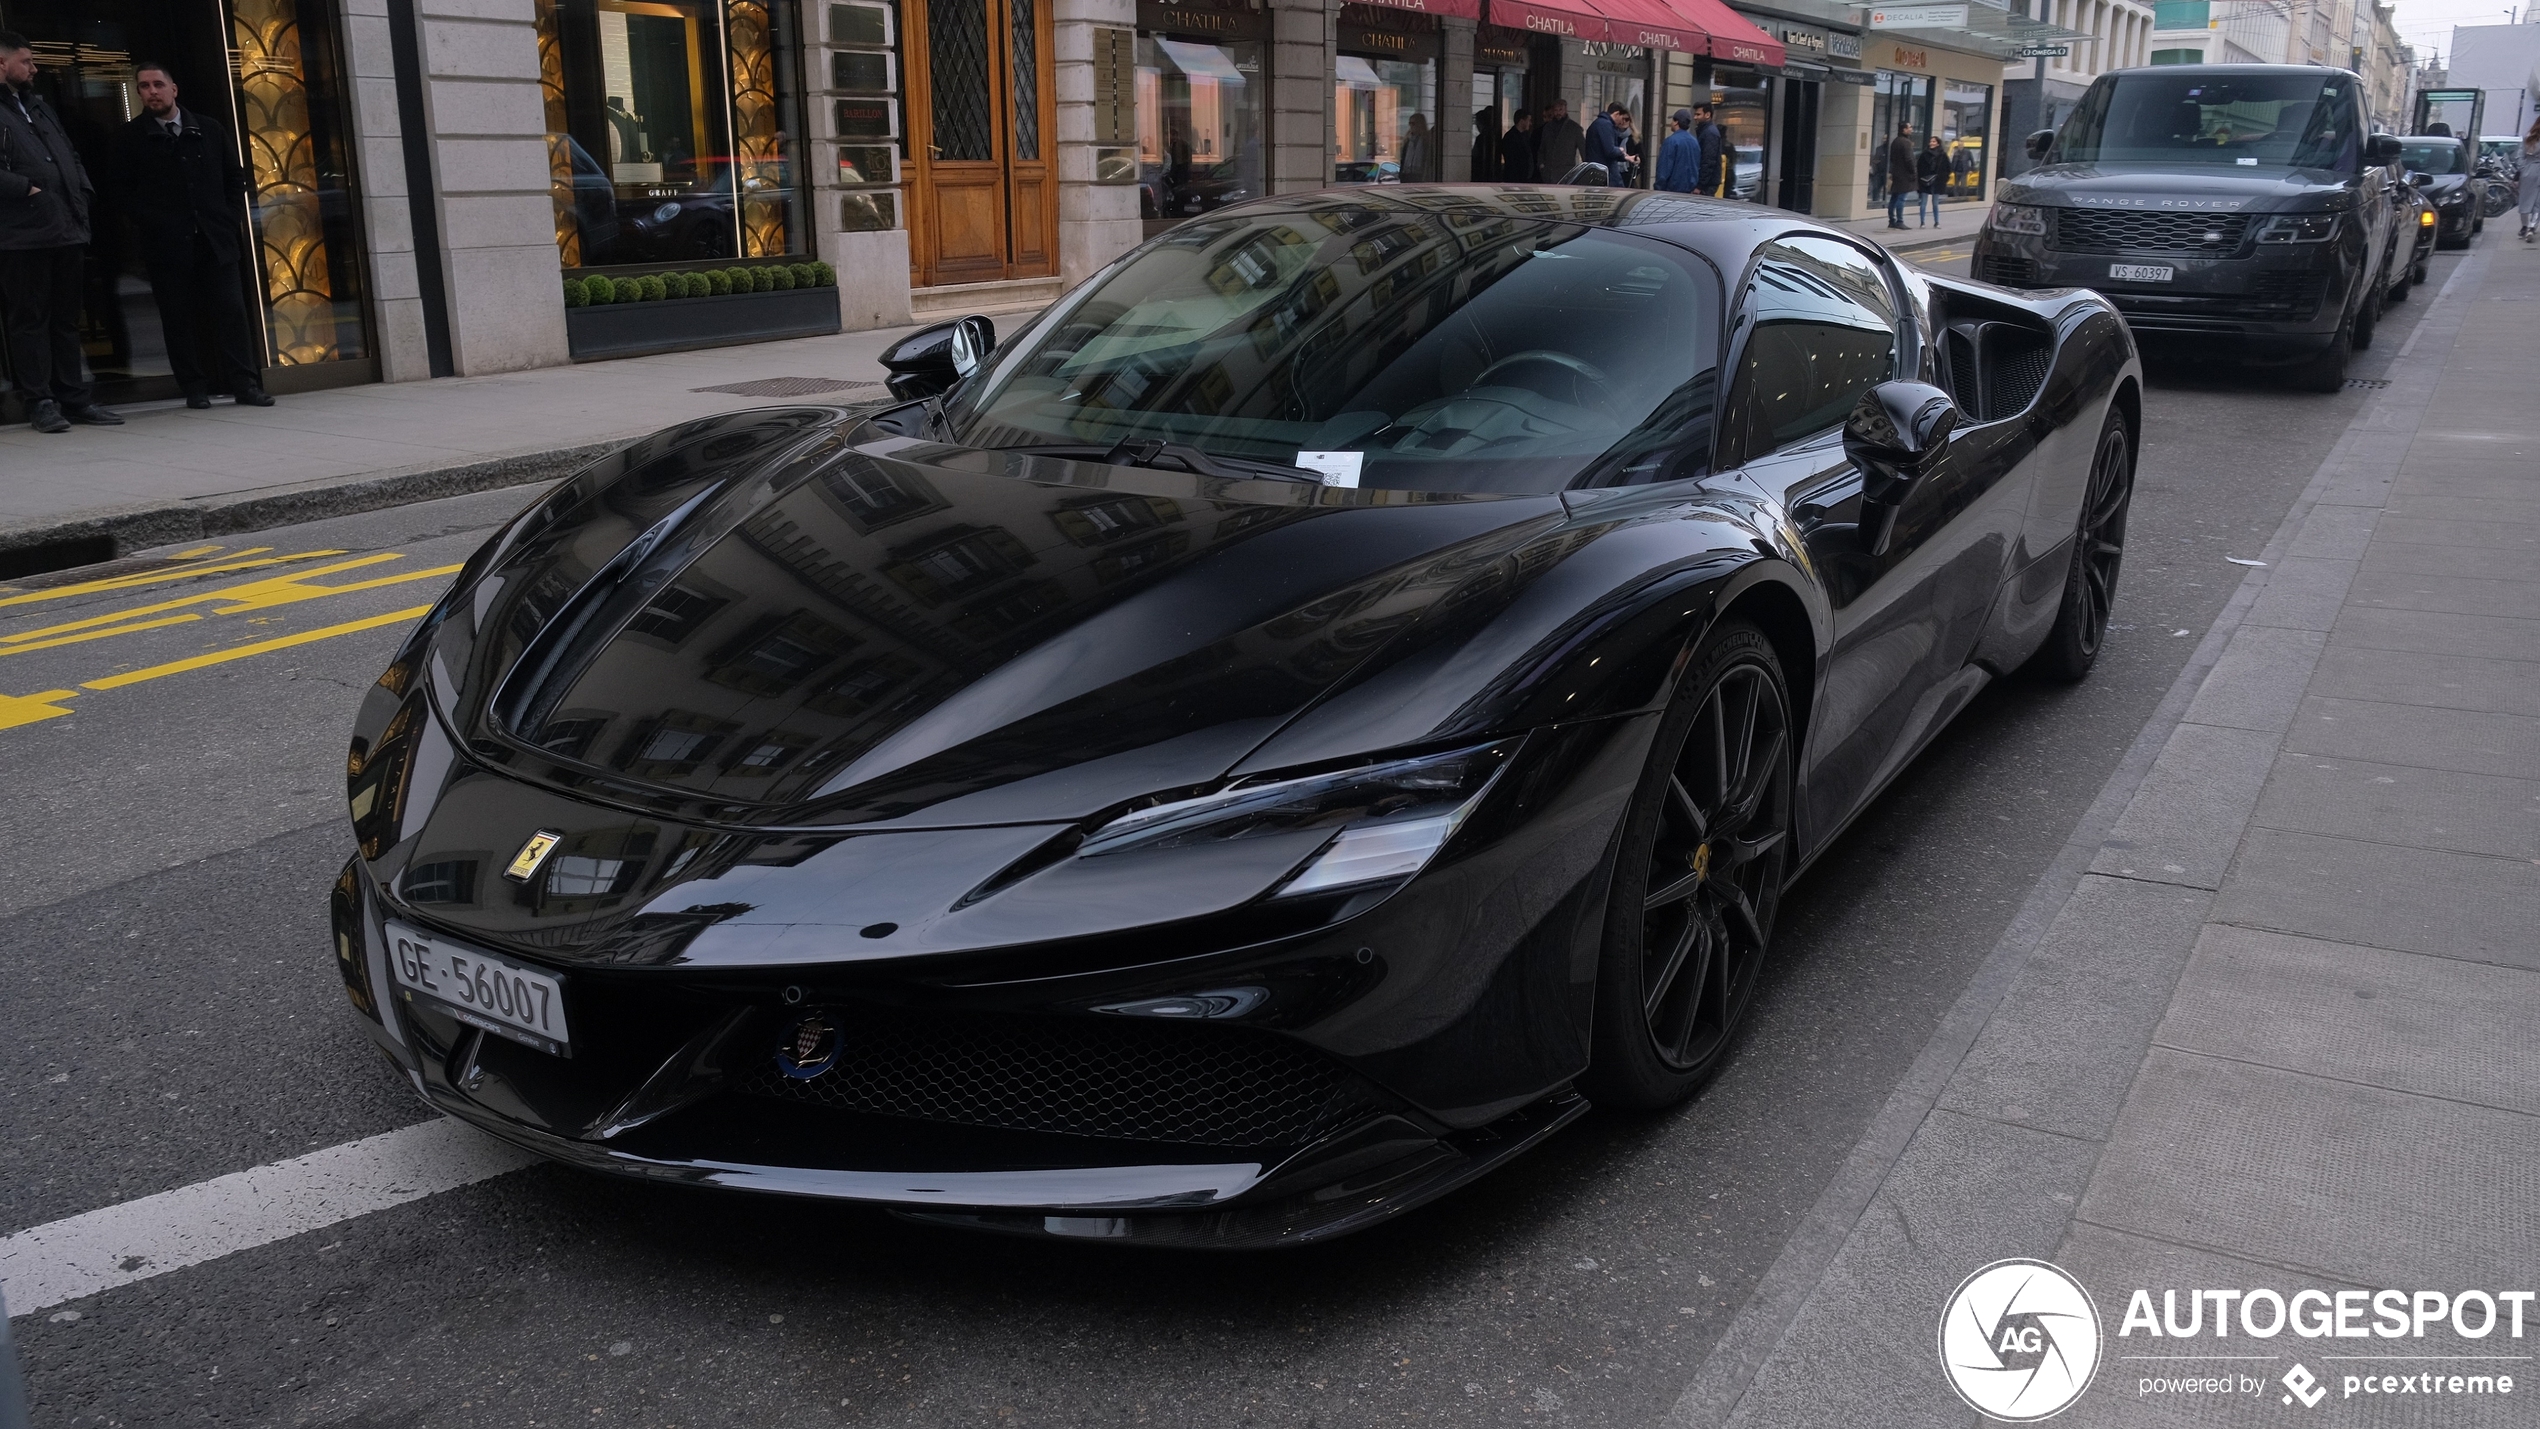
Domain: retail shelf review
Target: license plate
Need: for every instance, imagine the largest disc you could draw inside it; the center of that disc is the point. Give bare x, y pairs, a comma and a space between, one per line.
2142, 272
480, 989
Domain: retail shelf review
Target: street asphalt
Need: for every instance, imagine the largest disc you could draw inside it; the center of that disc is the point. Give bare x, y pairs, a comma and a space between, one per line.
168, 1013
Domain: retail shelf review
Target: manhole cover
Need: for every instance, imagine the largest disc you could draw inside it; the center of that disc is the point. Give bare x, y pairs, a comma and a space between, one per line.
789, 387
2368, 382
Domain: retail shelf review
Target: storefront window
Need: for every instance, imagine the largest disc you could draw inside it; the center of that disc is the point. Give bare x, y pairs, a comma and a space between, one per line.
267, 80
1966, 119
1384, 112
1897, 99
1199, 126
673, 130
1742, 103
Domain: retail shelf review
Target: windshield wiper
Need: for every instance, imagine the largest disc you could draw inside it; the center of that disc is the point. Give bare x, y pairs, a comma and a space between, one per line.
1156, 454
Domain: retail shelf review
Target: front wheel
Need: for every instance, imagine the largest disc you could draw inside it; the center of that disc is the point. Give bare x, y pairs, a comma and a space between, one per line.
2090, 584
2327, 372
1697, 877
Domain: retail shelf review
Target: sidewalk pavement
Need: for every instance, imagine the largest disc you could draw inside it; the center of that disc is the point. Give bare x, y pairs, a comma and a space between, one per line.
171, 475
1954, 228
2269, 1025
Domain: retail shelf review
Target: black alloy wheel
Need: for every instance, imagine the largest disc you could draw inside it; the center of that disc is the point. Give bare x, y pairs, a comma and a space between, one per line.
1698, 878
2090, 587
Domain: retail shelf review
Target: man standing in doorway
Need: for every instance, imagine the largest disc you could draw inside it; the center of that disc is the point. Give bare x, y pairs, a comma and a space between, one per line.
1680, 156
44, 196
1604, 143
1517, 152
1557, 141
184, 187
1902, 180
1715, 148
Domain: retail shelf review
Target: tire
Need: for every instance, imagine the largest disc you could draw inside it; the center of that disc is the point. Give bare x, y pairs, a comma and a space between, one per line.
1697, 877
2327, 372
2368, 317
2090, 583
2407, 281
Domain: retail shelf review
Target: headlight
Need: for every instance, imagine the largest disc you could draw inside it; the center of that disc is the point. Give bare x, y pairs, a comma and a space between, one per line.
1386, 820
665, 213
2299, 228
2017, 218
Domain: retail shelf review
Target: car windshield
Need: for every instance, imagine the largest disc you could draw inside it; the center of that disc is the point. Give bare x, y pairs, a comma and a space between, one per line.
2304, 119
2427, 157
1433, 344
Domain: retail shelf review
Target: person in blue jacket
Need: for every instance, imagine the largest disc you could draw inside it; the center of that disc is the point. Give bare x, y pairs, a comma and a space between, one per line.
1680, 157
1604, 143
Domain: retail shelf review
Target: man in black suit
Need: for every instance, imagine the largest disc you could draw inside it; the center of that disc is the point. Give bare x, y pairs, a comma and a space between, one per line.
44, 197
183, 188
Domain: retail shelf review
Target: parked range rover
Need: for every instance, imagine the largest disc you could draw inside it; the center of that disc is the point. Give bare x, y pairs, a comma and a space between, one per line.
2251, 203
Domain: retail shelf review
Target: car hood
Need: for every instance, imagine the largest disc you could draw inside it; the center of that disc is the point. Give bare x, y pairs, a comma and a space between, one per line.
834, 625
2195, 188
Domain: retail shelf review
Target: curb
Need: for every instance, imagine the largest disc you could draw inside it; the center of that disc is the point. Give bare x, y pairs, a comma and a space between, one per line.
124, 529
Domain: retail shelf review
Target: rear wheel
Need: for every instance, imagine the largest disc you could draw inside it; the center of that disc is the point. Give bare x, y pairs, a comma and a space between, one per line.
2407, 281
2090, 586
1697, 877
2327, 372
2368, 316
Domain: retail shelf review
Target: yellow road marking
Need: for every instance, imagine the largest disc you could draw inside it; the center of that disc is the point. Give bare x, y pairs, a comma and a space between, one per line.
142, 578
241, 652
16, 710
250, 595
98, 634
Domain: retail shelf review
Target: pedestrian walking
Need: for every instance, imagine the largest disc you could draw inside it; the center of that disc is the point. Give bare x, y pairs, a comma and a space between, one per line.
2528, 183
1557, 140
44, 199
1902, 179
1680, 156
1517, 151
1715, 151
1931, 179
184, 189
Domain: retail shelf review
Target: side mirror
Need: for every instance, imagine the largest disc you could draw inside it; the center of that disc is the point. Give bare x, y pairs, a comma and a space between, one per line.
1894, 433
927, 362
2040, 144
973, 338
2382, 149
1589, 176
2422, 181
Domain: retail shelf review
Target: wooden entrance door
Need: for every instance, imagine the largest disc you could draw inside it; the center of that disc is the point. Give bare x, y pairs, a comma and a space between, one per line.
983, 170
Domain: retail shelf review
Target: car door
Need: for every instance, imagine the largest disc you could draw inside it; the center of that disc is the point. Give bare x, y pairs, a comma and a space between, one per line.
1819, 324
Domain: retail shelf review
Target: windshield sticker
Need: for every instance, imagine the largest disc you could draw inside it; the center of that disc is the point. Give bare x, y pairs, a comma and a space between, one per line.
1337, 468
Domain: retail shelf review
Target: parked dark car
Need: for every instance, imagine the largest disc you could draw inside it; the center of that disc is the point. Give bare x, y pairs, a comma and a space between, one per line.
675, 223
2445, 166
2244, 203
1200, 188
1260, 747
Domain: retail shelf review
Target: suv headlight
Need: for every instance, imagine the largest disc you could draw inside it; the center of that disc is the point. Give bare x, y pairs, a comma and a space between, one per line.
2017, 218
1385, 821
2299, 228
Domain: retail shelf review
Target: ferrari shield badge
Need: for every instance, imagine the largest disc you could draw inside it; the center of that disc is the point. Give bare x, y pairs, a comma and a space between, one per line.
524, 865
810, 1048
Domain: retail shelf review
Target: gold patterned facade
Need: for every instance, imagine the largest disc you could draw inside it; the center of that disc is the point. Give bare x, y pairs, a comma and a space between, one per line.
559, 125
758, 126
302, 320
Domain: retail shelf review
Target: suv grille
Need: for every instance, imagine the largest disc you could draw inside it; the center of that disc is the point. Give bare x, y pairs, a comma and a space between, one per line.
2099, 230
1123, 1077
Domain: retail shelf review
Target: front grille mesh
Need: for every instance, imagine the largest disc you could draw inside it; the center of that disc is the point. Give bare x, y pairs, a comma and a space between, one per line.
2008, 271
2092, 230
1123, 1077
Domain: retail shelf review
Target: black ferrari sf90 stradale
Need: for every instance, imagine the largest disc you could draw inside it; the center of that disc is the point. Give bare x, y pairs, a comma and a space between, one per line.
1336, 694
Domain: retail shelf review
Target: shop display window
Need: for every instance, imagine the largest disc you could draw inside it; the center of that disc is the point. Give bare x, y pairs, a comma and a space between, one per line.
1199, 126
1385, 118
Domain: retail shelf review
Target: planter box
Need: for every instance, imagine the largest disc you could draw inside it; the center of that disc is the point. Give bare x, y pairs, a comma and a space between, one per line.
673, 324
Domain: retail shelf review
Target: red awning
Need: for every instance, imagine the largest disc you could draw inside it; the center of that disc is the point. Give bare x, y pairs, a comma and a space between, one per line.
1568, 19
1461, 9
1651, 24
1733, 37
